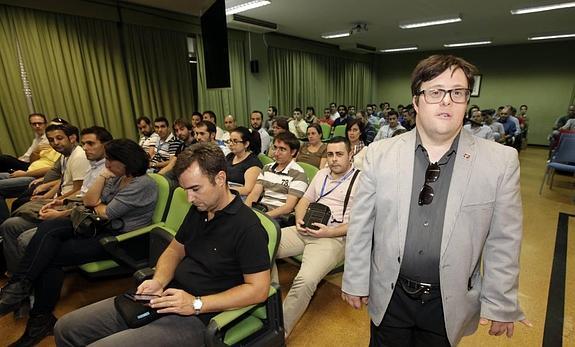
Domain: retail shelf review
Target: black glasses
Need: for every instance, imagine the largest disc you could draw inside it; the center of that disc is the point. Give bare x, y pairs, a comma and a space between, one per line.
431, 175
434, 96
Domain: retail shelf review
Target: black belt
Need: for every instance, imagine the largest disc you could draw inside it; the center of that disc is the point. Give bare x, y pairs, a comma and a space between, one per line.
416, 289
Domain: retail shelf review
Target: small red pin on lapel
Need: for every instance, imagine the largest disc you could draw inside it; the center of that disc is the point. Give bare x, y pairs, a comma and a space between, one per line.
466, 156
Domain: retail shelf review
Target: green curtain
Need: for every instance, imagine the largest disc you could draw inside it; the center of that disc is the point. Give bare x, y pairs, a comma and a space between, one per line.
301, 79
159, 72
229, 100
15, 134
75, 69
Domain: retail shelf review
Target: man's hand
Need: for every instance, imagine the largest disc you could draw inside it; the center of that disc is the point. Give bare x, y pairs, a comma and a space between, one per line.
35, 182
500, 328
150, 287
299, 226
174, 301
354, 301
323, 231
50, 213
44, 187
18, 173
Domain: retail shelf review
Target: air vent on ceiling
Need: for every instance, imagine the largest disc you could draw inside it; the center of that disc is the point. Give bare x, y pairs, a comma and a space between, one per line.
358, 48
240, 22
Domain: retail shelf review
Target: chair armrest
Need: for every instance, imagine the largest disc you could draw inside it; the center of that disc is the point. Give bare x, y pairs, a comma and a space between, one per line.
143, 274
112, 245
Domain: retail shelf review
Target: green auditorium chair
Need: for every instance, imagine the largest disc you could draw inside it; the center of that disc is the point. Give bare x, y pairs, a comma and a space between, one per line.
326, 131
264, 159
339, 131
309, 169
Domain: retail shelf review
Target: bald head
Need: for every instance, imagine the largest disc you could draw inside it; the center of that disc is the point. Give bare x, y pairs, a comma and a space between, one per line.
230, 122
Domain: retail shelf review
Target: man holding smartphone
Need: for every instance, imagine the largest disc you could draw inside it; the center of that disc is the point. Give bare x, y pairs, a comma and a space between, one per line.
322, 245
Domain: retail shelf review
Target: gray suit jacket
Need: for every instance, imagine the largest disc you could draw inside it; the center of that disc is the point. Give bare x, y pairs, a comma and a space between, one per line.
483, 217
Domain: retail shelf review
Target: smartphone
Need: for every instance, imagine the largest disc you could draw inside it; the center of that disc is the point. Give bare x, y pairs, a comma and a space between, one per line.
143, 298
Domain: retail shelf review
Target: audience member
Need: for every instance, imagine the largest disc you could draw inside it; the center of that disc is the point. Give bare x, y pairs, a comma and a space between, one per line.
256, 119
386, 131
561, 121
166, 147
371, 116
326, 117
196, 118
122, 194
297, 125
272, 112
206, 132
313, 151
229, 125
343, 116
333, 114
210, 116
184, 131
243, 165
282, 182
354, 133
351, 111
508, 125
497, 128
310, 116
369, 131
206, 285
322, 245
409, 117
279, 125
477, 128
148, 138
9, 164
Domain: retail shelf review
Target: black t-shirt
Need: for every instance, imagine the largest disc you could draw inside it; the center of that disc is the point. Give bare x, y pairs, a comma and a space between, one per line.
236, 172
219, 252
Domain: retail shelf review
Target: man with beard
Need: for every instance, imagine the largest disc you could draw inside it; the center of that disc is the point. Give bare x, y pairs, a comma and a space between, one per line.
148, 138
184, 131
256, 119
476, 127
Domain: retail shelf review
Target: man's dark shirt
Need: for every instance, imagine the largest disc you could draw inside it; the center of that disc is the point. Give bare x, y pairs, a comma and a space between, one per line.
425, 226
220, 251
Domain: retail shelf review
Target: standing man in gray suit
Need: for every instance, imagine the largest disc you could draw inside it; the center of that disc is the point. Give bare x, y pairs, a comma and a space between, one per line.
430, 204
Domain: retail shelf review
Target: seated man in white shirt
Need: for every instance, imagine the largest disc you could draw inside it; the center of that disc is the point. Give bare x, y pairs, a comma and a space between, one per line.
322, 245
210, 116
10, 164
477, 128
148, 138
386, 131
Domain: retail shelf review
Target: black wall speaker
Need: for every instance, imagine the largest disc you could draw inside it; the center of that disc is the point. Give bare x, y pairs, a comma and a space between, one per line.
254, 66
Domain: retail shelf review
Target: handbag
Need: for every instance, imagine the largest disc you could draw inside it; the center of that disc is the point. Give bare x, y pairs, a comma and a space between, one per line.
87, 223
316, 213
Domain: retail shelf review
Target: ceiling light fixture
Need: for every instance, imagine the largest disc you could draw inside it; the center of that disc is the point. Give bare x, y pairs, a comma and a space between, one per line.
543, 8
462, 44
550, 37
414, 48
335, 34
246, 6
356, 28
430, 22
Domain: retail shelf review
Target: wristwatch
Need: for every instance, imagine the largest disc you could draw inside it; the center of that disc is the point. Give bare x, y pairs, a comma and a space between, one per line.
198, 304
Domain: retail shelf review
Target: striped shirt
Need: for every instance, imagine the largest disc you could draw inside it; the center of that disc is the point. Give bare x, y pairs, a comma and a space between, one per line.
166, 149
292, 180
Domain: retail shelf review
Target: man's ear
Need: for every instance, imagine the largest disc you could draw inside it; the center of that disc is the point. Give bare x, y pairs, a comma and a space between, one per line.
73, 138
221, 179
415, 102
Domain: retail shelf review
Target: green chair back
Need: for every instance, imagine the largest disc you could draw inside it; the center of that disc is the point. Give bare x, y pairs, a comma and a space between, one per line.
274, 233
179, 207
325, 130
163, 197
339, 130
309, 169
264, 159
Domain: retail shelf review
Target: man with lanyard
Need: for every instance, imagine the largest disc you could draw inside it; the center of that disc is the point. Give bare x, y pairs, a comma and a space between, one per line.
322, 246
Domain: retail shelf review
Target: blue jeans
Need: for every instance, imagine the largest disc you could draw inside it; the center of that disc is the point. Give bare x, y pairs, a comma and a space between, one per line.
10, 188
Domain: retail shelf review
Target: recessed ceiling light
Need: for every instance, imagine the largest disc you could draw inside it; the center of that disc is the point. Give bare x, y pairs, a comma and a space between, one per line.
550, 37
543, 8
462, 44
335, 35
246, 6
388, 50
430, 22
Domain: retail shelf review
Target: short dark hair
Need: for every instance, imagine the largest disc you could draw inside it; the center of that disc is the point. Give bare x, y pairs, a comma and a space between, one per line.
274, 109
524, 106
289, 139
212, 115
258, 112
59, 120
360, 125
297, 109
433, 66
310, 108
143, 119
317, 127
393, 112
37, 115
209, 157
101, 133
183, 122
341, 139
332, 103
130, 154
162, 119
209, 125
281, 122
253, 137
68, 129
342, 106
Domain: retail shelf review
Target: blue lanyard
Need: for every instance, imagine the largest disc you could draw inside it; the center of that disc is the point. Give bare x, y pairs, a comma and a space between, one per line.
321, 194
